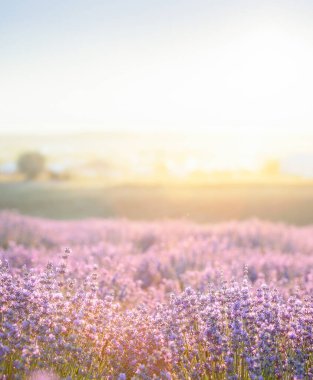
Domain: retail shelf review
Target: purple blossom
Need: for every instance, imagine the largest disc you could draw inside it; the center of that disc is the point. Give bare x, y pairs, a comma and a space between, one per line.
167, 300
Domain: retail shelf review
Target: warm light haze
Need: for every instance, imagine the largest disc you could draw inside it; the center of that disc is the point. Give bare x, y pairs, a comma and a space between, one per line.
225, 85
237, 71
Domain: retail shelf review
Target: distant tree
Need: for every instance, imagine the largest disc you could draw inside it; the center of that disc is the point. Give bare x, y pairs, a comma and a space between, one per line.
31, 164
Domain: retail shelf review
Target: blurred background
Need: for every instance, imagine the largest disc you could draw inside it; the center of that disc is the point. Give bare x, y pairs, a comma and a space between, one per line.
156, 110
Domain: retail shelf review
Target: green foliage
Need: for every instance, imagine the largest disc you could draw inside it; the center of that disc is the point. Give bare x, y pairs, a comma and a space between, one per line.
31, 164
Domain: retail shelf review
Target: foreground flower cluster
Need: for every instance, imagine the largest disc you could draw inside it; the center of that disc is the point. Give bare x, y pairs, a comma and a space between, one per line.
155, 300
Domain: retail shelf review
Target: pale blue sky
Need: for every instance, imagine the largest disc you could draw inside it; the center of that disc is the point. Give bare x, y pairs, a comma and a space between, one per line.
215, 66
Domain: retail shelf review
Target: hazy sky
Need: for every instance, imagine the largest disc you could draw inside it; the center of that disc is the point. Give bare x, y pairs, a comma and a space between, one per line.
217, 66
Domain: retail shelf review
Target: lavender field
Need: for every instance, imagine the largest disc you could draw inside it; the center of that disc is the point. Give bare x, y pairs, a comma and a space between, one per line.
114, 299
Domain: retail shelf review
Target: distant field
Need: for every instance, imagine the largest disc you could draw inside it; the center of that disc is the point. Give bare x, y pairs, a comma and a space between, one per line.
210, 203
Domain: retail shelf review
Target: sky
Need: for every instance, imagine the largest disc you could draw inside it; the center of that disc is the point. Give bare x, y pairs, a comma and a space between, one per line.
239, 69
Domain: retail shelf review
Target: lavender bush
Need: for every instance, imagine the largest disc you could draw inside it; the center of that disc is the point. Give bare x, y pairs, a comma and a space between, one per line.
167, 300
